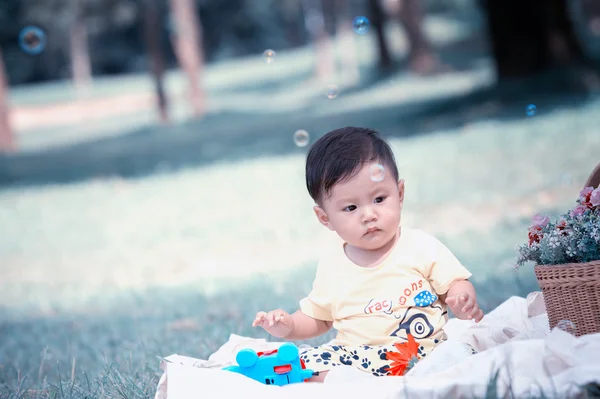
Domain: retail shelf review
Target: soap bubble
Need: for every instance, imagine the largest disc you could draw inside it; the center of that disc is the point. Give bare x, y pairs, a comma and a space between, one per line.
567, 326
531, 110
377, 172
332, 91
32, 40
361, 25
269, 56
301, 138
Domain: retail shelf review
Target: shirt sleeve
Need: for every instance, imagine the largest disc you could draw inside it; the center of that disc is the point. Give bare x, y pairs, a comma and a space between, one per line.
318, 302
443, 269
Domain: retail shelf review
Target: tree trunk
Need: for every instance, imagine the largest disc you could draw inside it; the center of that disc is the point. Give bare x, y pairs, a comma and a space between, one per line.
420, 56
153, 39
378, 17
345, 35
188, 47
315, 24
80, 58
531, 37
290, 9
7, 142
591, 9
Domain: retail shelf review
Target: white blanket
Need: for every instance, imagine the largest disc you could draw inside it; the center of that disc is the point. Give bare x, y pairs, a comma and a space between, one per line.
513, 340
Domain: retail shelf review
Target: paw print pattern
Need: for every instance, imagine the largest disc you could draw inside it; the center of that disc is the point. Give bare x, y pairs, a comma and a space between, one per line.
367, 358
345, 359
381, 371
425, 298
382, 353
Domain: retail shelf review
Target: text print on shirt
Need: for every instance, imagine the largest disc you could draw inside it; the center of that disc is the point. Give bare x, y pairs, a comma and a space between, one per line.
424, 298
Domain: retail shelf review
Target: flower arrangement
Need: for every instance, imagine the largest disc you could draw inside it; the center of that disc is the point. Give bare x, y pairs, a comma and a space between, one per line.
573, 238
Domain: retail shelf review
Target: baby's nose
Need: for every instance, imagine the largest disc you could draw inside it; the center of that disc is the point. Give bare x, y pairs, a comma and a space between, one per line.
369, 215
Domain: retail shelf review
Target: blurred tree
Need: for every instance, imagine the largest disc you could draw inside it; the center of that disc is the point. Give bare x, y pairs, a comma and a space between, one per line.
410, 14
420, 57
81, 69
345, 35
6, 137
315, 13
153, 39
79, 34
378, 17
230, 28
186, 37
529, 37
294, 32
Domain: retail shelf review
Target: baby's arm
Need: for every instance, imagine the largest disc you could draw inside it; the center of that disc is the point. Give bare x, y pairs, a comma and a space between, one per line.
461, 286
306, 327
295, 327
462, 300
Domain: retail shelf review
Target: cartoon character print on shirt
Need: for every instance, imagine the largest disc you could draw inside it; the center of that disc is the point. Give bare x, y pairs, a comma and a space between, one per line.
415, 323
412, 321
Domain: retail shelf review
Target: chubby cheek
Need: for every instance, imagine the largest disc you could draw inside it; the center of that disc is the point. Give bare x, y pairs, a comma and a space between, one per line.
348, 228
394, 217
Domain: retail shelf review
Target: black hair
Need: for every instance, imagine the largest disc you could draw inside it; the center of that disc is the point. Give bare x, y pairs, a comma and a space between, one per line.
339, 154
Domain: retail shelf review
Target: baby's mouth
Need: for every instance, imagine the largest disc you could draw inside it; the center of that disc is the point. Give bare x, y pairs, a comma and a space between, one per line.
372, 230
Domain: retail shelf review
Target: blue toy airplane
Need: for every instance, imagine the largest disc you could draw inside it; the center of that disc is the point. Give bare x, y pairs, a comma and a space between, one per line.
281, 366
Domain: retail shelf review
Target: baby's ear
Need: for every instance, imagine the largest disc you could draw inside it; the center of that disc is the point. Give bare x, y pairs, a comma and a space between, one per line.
322, 216
401, 189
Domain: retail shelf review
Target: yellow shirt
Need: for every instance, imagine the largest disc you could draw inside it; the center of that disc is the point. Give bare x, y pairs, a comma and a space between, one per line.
380, 305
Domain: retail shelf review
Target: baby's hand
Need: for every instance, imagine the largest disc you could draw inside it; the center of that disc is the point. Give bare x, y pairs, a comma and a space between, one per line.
278, 323
465, 307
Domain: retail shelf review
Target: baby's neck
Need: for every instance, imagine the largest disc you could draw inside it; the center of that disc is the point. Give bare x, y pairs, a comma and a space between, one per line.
371, 258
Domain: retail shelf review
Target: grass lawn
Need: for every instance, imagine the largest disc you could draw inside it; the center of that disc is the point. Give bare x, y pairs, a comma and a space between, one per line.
101, 277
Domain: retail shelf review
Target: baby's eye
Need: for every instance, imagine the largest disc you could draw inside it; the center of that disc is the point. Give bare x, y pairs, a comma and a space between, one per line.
379, 200
349, 208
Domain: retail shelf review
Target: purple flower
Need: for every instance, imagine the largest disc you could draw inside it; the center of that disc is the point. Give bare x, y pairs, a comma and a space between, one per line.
539, 220
578, 210
585, 192
595, 197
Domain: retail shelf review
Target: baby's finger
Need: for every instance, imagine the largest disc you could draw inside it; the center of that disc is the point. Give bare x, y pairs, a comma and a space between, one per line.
259, 318
468, 305
451, 301
463, 298
478, 316
279, 317
271, 318
474, 311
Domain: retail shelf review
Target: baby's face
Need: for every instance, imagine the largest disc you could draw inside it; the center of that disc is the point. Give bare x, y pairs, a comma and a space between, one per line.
364, 211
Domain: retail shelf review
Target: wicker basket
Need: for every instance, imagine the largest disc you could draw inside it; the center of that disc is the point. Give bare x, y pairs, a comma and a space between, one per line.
572, 291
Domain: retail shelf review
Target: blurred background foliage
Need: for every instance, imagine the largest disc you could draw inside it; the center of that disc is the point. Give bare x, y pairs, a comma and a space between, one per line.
233, 28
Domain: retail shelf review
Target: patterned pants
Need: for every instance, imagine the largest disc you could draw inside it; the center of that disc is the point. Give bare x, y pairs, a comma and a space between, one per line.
370, 359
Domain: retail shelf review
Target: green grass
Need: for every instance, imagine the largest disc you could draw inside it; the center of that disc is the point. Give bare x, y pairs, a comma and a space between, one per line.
67, 332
